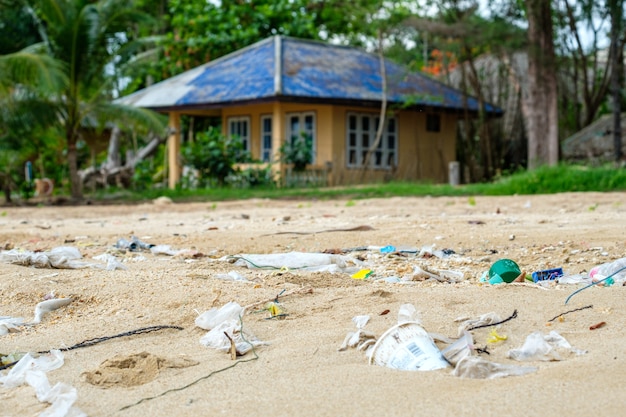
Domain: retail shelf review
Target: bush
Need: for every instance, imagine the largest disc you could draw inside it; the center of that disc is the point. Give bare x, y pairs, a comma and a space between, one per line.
253, 177
299, 152
214, 156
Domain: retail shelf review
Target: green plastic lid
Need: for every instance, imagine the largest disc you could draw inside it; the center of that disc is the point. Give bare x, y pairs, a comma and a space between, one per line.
506, 268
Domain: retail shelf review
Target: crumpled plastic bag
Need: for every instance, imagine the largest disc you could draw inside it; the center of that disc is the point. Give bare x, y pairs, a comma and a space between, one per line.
361, 339
476, 367
302, 261
226, 320
487, 318
62, 257
459, 349
213, 317
538, 347
32, 371
8, 324
112, 263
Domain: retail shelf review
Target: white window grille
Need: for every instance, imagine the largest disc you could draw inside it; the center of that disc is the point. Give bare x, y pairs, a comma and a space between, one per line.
361, 135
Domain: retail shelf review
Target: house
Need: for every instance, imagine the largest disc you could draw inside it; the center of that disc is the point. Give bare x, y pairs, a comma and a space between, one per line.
594, 143
284, 88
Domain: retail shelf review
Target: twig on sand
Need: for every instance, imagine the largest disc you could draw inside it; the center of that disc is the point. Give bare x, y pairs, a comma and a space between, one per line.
303, 290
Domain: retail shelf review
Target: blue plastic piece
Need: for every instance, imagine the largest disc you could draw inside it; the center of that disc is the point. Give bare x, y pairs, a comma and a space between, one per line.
547, 274
388, 249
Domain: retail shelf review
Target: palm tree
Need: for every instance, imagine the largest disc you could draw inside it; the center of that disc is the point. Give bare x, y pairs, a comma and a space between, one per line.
27, 81
88, 38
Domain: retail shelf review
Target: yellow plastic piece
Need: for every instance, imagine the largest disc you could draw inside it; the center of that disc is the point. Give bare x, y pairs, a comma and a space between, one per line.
494, 337
362, 274
274, 309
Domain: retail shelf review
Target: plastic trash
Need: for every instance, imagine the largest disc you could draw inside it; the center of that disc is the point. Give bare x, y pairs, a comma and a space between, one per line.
112, 263
163, 250
133, 245
15, 376
459, 349
293, 260
62, 257
538, 347
9, 324
216, 338
407, 346
388, 249
478, 368
232, 276
32, 371
615, 269
226, 320
504, 270
361, 339
213, 317
485, 319
547, 274
408, 313
361, 321
362, 274
47, 306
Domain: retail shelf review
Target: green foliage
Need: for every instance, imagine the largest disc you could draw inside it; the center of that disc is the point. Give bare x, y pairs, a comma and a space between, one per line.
214, 156
17, 30
252, 177
202, 31
298, 152
562, 178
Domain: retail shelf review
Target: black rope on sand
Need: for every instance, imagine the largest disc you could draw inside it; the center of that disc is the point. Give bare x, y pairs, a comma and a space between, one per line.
95, 341
570, 311
202, 378
511, 317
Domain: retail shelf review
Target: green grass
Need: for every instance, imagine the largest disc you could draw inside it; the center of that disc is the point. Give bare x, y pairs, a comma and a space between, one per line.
545, 180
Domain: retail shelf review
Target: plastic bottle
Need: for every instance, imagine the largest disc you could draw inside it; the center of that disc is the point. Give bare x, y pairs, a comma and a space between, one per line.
616, 270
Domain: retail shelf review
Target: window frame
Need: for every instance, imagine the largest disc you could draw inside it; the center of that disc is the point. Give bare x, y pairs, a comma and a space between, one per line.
263, 135
302, 122
245, 139
433, 122
383, 158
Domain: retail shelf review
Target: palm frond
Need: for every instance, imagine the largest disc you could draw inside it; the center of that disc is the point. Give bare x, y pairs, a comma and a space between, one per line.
132, 117
31, 69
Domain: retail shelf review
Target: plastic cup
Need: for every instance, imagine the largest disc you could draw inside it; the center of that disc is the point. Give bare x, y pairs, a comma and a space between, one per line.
506, 269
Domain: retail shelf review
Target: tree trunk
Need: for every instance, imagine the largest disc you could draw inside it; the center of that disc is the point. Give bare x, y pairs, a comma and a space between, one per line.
617, 67
76, 188
540, 103
113, 152
383, 108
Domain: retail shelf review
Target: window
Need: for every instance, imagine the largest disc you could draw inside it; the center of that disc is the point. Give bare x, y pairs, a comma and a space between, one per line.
266, 138
433, 122
362, 129
301, 126
240, 127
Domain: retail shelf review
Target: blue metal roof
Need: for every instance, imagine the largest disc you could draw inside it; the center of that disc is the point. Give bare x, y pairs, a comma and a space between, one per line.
299, 70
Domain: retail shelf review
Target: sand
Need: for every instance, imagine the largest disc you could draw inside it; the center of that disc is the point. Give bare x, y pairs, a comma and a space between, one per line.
300, 371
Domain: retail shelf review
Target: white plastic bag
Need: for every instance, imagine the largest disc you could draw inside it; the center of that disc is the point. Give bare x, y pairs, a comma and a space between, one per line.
293, 260
478, 368
538, 347
213, 317
226, 320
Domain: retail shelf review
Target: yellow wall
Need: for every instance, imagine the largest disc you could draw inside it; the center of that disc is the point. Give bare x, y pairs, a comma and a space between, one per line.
422, 155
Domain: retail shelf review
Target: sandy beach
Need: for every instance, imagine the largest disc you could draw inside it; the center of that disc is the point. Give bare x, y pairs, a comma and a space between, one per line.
299, 370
